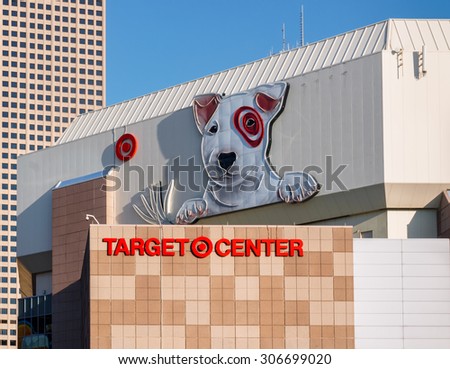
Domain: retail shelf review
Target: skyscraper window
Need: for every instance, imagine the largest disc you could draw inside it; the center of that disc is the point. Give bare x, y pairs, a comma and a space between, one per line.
18, 69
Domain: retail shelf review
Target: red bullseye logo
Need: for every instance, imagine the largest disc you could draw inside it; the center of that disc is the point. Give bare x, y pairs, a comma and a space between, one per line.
126, 147
249, 124
201, 247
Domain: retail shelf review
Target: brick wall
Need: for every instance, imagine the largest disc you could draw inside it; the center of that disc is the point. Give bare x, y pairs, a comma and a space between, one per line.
223, 302
69, 243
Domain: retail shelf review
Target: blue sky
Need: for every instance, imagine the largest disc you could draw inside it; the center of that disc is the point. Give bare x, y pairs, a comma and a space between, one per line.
154, 44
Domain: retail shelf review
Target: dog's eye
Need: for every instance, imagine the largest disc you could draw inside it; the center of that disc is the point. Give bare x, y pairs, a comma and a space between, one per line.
250, 123
213, 129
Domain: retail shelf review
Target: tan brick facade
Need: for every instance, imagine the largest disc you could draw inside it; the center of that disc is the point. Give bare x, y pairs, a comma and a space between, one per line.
69, 244
223, 302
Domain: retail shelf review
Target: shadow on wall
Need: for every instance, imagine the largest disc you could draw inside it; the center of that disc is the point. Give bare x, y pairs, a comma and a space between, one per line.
179, 143
444, 215
423, 224
26, 241
70, 311
179, 136
109, 156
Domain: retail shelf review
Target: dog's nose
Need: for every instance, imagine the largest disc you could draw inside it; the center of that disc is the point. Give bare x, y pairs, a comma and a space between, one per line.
226, 159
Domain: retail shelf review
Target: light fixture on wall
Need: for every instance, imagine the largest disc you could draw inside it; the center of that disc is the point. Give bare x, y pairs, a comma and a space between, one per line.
90, 216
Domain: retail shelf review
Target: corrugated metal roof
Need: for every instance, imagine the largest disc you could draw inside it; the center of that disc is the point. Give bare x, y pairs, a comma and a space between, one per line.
393, 34
412, 34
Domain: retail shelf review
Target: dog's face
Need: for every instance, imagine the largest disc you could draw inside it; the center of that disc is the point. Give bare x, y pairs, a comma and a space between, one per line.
236, 131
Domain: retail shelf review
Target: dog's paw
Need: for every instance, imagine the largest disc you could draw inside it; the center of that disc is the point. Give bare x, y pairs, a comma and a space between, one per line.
191, 210
297, 187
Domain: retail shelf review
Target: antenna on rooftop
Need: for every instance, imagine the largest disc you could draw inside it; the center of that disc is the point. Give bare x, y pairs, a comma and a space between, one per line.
301, 42
283, 34
302, 27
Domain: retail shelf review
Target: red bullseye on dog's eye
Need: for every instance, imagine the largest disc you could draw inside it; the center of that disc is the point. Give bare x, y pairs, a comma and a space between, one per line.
249, 124
126, 147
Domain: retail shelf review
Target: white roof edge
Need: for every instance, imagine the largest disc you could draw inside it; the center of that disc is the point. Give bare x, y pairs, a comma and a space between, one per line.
388, 33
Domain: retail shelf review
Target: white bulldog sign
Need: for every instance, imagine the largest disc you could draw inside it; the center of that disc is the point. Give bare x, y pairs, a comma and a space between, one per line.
236, 133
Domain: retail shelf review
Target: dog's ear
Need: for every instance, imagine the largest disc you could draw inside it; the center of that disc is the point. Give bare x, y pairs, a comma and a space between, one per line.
204, 107
265, 102
270, 96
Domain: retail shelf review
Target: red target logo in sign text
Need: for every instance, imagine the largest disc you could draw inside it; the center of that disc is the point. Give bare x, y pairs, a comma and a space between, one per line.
126, 147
